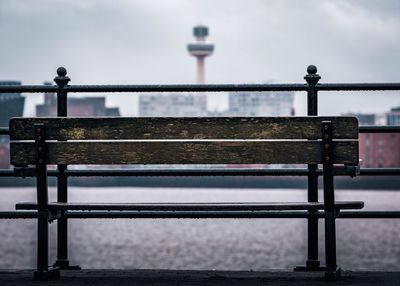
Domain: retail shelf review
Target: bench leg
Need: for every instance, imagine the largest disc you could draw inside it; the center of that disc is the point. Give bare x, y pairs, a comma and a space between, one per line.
332, 271
43, 272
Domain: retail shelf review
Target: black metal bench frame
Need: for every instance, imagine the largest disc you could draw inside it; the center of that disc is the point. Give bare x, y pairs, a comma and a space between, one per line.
52, 211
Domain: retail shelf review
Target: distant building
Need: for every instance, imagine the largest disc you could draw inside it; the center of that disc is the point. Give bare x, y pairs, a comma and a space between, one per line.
364, 119
77, 106
261, 103
11, 105
218, 113
200, 49
172, 105
4, 156
378, 150
393, 117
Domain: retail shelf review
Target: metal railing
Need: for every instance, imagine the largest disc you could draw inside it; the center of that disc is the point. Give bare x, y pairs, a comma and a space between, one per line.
312, 172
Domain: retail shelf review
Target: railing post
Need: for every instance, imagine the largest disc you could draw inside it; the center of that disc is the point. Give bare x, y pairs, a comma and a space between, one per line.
62, 180
312, 263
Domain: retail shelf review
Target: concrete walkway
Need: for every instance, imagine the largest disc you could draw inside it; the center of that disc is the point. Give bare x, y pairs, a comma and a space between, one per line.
170, 277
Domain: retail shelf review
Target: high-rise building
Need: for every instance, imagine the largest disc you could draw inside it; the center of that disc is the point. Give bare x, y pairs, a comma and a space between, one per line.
261, 103
180, 104
200, 49
12, 104
240, 103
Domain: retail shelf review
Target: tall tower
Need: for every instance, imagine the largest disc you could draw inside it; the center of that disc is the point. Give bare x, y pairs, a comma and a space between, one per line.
200, 50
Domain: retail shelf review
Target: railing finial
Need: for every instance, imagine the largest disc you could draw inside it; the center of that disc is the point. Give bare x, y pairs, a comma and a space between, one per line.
312, 77
311, 69
61, 79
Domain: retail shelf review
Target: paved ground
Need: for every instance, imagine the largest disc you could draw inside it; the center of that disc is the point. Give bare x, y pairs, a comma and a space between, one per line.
167, 277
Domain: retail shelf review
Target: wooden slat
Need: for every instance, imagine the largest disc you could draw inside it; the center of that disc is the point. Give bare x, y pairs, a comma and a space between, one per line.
192, 206
184, 128
185, 152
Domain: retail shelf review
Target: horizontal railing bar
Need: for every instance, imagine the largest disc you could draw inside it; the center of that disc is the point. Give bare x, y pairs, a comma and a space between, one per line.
28, 88
358, 86
191, 172
379, 172
368, 214
186, 214
4, 131
157, 88
18, 214
379, 129
202, 87
177, 172
7, 173
203, 214
187, 88
205, 172
236, 214
169, 172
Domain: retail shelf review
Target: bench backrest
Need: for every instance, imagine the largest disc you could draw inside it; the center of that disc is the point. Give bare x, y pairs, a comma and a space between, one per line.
216, 140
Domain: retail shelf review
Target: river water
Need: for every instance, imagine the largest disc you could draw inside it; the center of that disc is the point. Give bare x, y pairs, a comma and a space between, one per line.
224, 244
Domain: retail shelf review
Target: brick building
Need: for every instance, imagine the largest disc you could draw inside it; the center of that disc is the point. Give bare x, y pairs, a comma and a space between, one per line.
379, 150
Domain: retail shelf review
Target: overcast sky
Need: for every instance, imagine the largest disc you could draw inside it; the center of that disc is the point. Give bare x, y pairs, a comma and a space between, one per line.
138, 42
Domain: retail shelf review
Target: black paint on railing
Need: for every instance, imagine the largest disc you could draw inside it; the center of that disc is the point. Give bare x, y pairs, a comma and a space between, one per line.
379, 129
4, 131
209, 172
358, 86
202, 87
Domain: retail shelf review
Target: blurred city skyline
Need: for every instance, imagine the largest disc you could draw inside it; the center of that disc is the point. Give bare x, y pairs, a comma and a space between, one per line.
141, 42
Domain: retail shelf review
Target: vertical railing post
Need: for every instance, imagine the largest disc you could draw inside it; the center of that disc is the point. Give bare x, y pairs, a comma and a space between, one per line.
62, 180
312, 263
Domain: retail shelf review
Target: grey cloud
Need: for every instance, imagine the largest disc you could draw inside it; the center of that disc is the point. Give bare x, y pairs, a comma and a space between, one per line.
256, 41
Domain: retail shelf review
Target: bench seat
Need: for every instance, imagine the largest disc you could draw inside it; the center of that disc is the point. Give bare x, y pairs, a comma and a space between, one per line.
268, 206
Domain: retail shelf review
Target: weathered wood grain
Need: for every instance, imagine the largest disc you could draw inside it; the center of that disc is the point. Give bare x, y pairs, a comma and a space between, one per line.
249, 206
185, 152
184, 128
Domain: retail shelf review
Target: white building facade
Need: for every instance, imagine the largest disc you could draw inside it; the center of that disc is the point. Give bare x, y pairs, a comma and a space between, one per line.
261, 103
172, 105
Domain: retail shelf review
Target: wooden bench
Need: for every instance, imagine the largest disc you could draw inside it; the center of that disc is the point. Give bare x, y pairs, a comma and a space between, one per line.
38, 142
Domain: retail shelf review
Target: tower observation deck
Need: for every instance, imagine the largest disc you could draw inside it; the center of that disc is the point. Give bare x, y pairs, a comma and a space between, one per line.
200, 49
